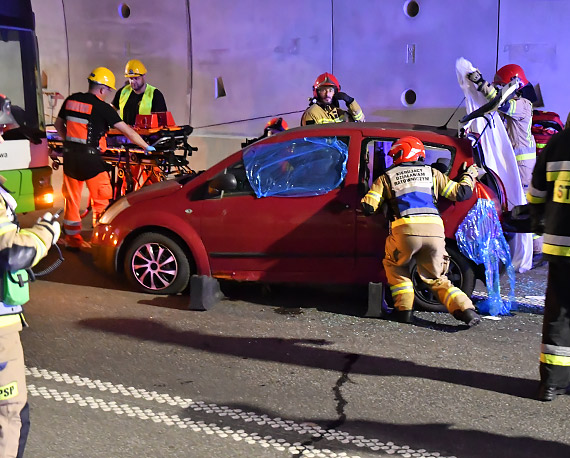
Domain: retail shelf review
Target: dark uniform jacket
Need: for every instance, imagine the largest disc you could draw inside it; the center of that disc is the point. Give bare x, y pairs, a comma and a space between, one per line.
87, 120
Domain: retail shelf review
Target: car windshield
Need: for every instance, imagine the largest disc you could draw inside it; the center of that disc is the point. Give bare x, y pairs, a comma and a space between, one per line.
301, 167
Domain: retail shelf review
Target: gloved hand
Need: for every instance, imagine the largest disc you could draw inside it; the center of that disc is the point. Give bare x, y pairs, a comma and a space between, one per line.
472, 170
50, 222
149, 149
344, 97
475, 76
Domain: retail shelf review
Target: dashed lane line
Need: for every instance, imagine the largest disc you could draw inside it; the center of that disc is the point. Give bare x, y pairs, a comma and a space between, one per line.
290, 426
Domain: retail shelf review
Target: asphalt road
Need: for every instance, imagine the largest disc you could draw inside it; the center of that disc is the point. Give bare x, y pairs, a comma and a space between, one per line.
278, 372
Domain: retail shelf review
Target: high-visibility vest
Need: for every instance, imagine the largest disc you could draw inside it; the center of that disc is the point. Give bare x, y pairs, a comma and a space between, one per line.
145, 106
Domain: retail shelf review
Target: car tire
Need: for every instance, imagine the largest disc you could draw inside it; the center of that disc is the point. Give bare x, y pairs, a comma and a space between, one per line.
157, 264
461, 273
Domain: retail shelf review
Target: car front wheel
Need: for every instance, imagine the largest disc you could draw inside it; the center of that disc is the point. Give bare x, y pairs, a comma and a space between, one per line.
156, 264
461, 273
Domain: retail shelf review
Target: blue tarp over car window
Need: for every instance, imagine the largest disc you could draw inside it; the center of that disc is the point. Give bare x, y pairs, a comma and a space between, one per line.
308, 166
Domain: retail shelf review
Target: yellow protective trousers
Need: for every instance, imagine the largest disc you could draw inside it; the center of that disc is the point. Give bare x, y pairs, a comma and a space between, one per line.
13, 395
101, 192
432, 262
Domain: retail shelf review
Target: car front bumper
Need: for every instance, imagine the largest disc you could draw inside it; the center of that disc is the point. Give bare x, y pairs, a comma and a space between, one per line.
104, 248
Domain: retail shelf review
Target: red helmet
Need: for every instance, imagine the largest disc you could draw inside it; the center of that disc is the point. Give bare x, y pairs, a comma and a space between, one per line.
278, 124
326, 79
407, 149
506, 73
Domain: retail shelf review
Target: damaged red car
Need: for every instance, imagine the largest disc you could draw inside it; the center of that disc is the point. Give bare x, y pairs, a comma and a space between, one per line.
283, 209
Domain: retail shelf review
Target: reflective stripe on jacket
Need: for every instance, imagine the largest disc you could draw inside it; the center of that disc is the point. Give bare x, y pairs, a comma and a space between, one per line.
145, 107
76, 127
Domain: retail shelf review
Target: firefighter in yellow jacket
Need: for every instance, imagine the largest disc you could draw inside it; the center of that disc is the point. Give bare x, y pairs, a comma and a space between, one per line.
324, 106
19, 250
411, 188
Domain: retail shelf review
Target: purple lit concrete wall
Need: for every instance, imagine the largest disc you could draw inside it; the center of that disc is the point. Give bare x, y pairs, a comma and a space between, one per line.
268, 53
534, 35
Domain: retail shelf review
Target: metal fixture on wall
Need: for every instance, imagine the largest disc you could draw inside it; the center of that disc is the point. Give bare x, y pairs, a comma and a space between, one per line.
411, 8
124, 10
408, 97
219, 90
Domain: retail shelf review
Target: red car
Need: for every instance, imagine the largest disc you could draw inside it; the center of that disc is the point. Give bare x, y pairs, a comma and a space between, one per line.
214, 223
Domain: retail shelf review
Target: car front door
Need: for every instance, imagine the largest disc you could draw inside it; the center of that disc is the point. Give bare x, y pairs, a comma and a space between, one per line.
305, 239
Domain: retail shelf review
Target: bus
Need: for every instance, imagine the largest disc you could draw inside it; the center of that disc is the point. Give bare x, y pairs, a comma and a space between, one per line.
24, 155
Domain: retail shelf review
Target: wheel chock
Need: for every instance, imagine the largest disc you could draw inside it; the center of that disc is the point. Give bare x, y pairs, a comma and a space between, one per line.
204, 292
377, 305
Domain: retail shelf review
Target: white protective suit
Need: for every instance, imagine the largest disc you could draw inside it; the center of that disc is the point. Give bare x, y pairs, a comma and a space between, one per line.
499, 157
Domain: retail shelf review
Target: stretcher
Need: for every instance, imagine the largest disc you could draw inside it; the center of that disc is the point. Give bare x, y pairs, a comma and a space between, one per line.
130, 168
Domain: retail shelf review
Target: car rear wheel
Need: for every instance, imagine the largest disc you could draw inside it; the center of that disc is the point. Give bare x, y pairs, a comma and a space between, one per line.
461, 273
155, 263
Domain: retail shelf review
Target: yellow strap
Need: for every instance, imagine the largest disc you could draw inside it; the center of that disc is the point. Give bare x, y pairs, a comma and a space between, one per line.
534, 200
418, 220
449, 187
10, 320
563, 175
8, 391
406, 287
555, 360
524, 157
556, 250
374, 195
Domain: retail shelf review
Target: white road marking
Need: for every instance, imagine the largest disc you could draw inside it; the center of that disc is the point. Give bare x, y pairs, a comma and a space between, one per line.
296, 448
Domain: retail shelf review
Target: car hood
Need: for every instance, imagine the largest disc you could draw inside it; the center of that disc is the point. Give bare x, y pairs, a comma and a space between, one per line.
162, 188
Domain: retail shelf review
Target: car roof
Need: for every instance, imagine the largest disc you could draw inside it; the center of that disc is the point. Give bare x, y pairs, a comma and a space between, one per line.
379, 126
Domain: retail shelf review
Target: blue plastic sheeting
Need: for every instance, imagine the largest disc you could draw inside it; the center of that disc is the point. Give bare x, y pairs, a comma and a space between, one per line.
308, 166
480, 238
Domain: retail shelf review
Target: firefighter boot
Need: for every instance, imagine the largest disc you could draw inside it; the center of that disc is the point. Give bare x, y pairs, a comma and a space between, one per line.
402, 316
468, 316
74, 243
548, 392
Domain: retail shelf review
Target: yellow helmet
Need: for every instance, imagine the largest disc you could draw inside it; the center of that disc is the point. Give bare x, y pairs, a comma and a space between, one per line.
134, 68
104, 76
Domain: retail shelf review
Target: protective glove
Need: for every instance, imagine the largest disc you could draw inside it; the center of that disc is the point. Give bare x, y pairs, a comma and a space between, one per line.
344, 97
50, 222
472, 171
475, 76
149, 149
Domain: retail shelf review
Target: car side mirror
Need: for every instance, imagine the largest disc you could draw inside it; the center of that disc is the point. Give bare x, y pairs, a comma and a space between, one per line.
225, 182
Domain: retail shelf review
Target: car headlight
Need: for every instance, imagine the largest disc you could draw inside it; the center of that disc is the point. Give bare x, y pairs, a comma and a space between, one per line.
114, 210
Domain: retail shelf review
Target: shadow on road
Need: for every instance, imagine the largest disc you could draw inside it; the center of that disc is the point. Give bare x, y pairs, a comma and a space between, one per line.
309, 353
445, 439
